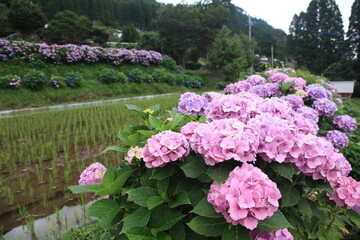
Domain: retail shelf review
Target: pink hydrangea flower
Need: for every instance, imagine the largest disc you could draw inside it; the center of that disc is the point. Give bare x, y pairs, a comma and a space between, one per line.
278, 77
133, 152
163, 148
278, 137
210, 96
346, 191
192, 104
256, 80
294, 101
289, 70
318, 158
309, 113
225, 139
275, 106
272, 72
241, 106
92, 174
345, 122
188, 129
282, 234
240, 86
337, 138
305, 125
248, 195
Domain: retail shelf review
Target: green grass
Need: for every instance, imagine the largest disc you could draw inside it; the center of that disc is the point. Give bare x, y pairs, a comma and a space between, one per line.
90, 231
355, 103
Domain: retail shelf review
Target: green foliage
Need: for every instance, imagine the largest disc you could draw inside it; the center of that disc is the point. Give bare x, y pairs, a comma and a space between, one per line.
109, 76
58, 82
129, 34
34, 80
68, 27
74, 80
161, 75
227, 54
4, 20
10, 81
25, 16
150, 41
90, 231
136, 75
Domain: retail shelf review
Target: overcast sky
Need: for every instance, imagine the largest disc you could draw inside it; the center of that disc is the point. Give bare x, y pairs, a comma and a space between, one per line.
279, 13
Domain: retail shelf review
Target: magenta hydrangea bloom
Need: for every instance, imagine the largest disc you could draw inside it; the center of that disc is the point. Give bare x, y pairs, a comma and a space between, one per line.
248, 195
266, 90
272, 72
316, 91
305, 125
192, 104
92, 174
309, 113
294, 101
256, 80
299, 83
240, 86
225, 139
325, 107
337, 138
210, 96
134, 152
282, 234
345, 122
275, 106
339, 101
318, 158
278, 137
356, 208
278, 77
165, 147
346, 191
188, 129
241, 106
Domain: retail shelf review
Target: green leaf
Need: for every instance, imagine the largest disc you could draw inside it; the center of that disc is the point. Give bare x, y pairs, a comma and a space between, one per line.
142, 194
285, 86
105, 210
156, 123
220, 172
116, 149
274, 223
155, 108
319, 185
139, 218
163, 236
133, 107
154, 201
177, 232
162, 186
304, 207
123, 136
88, 188
182, 198
174, 123
193, 167
140, 233
355, 217
163, 218
134, 139
164, 172
112, 186
283, 169
206, 209
289, 195
146, 133
208, 227
235, 233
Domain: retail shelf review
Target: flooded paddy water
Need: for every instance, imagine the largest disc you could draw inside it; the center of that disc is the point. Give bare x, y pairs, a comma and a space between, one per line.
43, 152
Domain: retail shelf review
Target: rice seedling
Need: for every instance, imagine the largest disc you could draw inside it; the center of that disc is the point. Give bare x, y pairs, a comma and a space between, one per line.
39, 174
23, 211
31, 191
45, 199
22, 184
51, 182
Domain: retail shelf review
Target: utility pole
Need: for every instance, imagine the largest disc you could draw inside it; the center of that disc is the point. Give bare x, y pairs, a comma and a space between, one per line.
272, 56
251, 50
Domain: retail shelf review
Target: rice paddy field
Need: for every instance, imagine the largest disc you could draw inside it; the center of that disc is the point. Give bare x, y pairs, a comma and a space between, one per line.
43, 153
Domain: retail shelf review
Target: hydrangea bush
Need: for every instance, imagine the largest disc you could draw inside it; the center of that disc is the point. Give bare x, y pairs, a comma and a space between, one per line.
247, 165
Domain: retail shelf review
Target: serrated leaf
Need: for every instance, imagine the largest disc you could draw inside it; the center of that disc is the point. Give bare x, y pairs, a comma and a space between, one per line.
206, 209
116, 149
289, 195
193, 167
304, 207
134, 139
319, 185
142, 194
146, 133
208, 227
235, 233
285, 170
163, 236
156, 123
163, 218
220, 172
123, 136
164, 172
177, 232
174, 123
274, 223
162, 186
139, 218
88, 188
355, 217
154, 201
140, 233
105, 210
181, 198
285, 86
111, 185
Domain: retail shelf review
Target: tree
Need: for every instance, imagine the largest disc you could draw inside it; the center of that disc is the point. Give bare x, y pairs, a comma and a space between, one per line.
26, 17
227, 53
150, 41
353, 34
129, 34
318, 36
4, 20
68, 27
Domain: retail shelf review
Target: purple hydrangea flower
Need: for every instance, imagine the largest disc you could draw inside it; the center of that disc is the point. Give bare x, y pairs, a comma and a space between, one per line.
325, 107
295, 101
316, 91
256, 80
345, 122
92, 174
309, 113
192, 104
282, 234
337, 138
